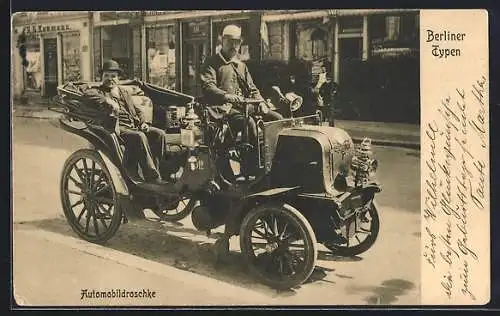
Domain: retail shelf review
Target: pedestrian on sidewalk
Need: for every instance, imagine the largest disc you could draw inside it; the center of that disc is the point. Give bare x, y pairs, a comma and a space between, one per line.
324, 93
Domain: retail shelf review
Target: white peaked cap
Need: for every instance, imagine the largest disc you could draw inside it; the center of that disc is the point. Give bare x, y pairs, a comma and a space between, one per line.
232, 31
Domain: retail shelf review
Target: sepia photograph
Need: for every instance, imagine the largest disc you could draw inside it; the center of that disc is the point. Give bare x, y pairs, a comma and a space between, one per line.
217, 158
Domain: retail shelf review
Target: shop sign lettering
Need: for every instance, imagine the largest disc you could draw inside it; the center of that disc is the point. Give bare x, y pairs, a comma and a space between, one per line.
198, 29
40, 28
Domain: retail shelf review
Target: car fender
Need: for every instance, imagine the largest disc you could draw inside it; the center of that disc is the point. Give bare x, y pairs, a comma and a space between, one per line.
274, 192
370, 189
373, 186
249, 201
116, 175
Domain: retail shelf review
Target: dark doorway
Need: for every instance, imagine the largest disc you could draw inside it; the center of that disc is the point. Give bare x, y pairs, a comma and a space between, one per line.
350, 53
195, 49
195, 52
351, 48
50, 66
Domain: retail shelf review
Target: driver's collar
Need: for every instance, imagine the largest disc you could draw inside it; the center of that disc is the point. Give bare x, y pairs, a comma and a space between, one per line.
104, 87
108, 88
233, 60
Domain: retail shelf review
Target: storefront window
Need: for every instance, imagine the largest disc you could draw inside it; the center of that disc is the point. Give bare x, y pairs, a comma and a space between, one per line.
195, 48
33, 72
394, 35
71, 57
218, 27
388, 28
161, 46
392, 27
311, 42
311, 46
116, 45
351, 24
318, 44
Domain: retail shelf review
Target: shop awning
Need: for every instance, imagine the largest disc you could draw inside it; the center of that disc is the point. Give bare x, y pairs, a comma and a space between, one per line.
191, 15
319, 14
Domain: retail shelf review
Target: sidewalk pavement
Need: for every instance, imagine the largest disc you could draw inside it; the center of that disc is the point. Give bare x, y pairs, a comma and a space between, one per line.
66, 267
385, 134
381, 133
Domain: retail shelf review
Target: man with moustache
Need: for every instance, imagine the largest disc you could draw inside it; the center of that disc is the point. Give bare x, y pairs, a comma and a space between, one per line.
131, 126
226, 80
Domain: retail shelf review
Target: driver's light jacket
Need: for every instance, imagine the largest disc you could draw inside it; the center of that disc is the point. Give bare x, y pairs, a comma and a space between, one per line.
219, 78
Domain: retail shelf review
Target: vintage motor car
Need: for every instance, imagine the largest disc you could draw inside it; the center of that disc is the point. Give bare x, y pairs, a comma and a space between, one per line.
311, 185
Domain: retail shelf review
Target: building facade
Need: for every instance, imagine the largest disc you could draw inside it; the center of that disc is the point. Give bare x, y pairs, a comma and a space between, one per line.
167, 48
58, 50
331, 38
373, 56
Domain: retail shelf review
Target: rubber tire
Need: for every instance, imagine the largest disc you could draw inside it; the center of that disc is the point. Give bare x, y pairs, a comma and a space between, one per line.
221, 250
366, 244
310, 247
182, 214
68, 212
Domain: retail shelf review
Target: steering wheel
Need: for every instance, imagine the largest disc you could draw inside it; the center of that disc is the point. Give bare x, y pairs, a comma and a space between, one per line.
245, 102
251, 101
248, 101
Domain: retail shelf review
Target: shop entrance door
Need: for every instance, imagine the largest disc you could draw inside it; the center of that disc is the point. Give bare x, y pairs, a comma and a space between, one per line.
50, 66
351, 52
194, 54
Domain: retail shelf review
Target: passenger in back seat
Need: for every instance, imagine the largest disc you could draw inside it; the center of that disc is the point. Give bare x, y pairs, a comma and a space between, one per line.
144, 144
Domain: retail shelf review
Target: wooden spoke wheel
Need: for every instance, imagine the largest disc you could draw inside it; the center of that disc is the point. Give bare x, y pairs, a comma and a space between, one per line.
175, 210
279, 245
88, 197
361, 234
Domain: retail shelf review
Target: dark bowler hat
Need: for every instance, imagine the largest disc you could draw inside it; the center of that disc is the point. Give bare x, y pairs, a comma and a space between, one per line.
111, 65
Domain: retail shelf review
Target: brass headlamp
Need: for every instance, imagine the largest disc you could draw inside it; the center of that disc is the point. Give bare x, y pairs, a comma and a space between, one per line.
295, 100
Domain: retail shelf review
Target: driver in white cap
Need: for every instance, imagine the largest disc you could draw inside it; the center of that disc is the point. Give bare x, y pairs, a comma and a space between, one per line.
225, 80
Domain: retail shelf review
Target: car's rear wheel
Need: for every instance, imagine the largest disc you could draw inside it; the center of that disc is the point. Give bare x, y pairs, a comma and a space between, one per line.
88, 197
175, 210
